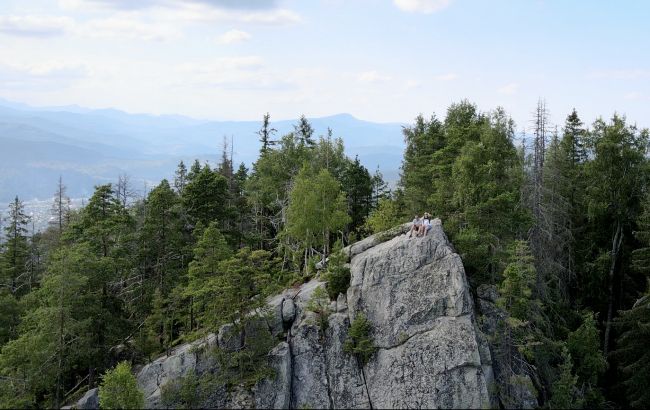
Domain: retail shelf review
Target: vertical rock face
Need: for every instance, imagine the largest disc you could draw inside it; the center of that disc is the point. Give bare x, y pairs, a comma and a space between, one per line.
414, 292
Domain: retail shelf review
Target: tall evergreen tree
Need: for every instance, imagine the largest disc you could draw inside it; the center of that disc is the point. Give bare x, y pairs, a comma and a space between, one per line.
16, 248
205, 196
266, 134
632, 352
357, 184
180, 178
616, 180
304, 131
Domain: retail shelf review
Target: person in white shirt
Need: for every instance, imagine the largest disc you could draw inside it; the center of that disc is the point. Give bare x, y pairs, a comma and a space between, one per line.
425, 227
417, 223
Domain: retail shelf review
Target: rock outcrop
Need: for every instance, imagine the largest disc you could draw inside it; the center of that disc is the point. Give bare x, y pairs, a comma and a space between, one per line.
430, 352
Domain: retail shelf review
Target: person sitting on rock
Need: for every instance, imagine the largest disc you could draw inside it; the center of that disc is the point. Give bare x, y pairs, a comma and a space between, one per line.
425, 227
417, 222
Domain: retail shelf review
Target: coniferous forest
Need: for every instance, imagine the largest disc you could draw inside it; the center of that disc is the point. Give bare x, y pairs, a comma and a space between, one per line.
558, 220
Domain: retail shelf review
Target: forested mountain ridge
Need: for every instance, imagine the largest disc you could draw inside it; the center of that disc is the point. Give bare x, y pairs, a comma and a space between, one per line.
555, 235
38, 142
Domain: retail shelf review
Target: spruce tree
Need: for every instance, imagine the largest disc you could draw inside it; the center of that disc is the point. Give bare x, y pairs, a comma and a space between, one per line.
16, 248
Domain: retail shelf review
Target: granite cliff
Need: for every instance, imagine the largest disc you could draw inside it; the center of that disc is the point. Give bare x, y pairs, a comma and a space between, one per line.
430, 350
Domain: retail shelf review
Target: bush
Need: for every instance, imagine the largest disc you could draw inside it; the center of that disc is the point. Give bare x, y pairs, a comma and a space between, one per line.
359, 342
119, 389
338, 281
338, 275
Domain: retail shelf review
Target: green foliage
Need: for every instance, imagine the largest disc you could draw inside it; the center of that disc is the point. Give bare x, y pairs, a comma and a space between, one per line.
319, 303
119, 389
338, 275
188, 392
584, 346
359, 342
518, 280
59, 332
317, 207
204, 196
564, 393
13, 260
641, 255
388, 214
632, 352
358, 185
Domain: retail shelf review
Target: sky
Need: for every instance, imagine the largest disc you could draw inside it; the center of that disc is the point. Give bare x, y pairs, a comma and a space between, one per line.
379, 60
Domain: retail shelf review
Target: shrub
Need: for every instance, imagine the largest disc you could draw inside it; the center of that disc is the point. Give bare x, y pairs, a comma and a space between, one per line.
338, 275
119, 389
338, 281
359, 342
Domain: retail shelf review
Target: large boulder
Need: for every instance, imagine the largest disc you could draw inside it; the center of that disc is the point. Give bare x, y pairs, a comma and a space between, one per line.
415, 294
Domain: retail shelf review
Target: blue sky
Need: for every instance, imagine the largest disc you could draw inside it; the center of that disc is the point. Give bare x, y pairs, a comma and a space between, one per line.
380, 60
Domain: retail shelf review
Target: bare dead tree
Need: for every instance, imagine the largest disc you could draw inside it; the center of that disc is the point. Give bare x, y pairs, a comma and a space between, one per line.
60, 207
124, 190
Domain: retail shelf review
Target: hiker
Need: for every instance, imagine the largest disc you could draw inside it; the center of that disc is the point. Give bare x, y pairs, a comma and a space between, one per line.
417, 222
426, 225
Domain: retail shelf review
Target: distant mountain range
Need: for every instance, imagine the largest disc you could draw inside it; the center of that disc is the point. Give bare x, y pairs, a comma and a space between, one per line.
87, 147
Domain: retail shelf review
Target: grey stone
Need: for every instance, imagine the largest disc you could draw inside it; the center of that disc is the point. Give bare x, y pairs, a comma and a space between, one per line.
513, 378
230, 338
345, 375
341, 303
90, 400
275, 393
432, 353
288, 311
309, 376
415, 294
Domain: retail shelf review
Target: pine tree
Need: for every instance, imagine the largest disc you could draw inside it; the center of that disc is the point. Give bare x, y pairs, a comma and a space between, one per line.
55, 334
180, 178
205, 196
422, 139
305, 132
583, 344
210, 250
616, 179
379, 189
16, 249
266, 134
119, 389
564, 390
358, 187
162, 231
641, 255
632, 352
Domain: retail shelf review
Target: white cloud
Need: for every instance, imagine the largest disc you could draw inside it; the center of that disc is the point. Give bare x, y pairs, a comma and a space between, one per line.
446, 77
509, 89
144, 4
262, 12
118, 27
373, 77
627, 74
47, 69
410, 84
636, 96
422, 6
222, 64
42, 76
34, 26
233, 36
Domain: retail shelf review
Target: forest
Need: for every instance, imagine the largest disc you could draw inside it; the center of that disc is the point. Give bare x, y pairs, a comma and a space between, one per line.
558, 221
